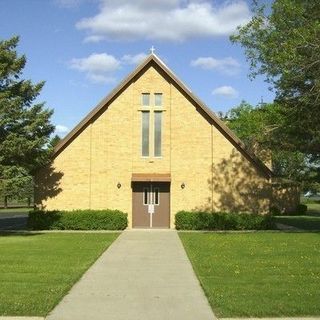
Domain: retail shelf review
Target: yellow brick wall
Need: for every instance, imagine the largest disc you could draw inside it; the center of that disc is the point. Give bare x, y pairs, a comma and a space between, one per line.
108, 151
236, 184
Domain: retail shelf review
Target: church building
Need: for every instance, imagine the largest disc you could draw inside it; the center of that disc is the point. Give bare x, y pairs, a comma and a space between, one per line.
151, 148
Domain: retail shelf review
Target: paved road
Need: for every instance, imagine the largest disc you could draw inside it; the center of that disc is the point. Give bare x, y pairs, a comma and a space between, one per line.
13, 221
143, 275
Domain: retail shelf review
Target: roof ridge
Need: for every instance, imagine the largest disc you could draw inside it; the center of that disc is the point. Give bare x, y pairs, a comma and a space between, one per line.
153, 57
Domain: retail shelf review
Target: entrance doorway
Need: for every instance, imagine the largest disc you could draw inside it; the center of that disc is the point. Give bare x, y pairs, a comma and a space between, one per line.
151, 204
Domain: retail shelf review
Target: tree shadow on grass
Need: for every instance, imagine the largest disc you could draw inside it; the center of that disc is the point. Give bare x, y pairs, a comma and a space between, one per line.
313, 212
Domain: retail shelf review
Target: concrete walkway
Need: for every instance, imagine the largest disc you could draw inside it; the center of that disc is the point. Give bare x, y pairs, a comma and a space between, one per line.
143, 275
286, 227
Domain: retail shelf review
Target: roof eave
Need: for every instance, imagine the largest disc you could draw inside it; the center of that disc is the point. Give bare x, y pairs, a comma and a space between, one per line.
152, 57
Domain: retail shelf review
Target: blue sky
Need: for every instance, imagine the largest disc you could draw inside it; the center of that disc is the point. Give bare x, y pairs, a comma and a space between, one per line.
84, 48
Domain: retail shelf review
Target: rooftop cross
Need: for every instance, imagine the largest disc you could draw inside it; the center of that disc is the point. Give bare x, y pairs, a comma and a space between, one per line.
152, 50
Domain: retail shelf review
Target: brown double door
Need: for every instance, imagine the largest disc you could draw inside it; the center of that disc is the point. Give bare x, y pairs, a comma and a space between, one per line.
151, 204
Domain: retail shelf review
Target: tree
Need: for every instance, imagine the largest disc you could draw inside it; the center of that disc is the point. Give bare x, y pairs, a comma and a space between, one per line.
255, 126
54, 141
25, 128
18, 184
284, 45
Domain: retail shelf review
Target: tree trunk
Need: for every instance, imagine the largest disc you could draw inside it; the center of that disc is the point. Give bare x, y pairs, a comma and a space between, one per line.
5, 202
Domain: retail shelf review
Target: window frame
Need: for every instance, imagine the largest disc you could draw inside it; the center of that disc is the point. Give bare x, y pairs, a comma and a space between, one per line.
151, 125
142, 99
158, 94
146, 189
147, 155
155, 136
154, 196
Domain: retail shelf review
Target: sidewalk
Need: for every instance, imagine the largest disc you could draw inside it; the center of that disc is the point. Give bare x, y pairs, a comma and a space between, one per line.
143, 275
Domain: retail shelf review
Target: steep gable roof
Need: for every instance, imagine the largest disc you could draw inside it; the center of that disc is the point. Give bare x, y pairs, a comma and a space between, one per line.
154, 59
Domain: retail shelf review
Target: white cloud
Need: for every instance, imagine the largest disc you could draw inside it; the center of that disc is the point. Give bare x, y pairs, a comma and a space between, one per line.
174, 20
99, 67
93, 39
226, 91
100, 78
61, 128
96, 62
226, 65
134, 59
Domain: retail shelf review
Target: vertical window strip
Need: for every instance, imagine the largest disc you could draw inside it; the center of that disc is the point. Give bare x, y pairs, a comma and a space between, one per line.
157, 133
145, 133
156, 196
145, 196
158, 99
146, 99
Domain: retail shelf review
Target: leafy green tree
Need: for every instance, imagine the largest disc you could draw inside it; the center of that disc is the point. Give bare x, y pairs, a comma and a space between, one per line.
25, 126
257, 128
17, 185
284, 45
54, 141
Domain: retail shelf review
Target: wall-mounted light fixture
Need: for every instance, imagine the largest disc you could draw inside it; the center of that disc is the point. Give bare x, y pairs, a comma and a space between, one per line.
118, 185
183, 185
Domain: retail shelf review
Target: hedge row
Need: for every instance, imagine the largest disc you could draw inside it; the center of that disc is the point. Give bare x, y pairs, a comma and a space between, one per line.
77, 220
186, 220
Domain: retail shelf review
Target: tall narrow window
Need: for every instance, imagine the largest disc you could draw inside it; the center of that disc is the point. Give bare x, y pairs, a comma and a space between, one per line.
156, 196
146, 99
157, 134
158, 99
145, 196
145, 133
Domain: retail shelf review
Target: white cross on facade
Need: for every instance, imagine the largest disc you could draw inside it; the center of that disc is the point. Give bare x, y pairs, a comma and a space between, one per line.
152, 50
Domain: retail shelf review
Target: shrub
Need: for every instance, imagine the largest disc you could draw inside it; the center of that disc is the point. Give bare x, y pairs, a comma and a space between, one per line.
77, 220
186, 220
275, 211
300, 210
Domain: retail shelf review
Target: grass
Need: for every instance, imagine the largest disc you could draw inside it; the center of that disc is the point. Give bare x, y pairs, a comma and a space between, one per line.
257, 274
309, 222
313, 208
16, 202
9, 211
37, 270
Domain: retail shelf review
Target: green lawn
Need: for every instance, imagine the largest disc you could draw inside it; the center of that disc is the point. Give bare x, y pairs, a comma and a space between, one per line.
10, 211
314, 208
36, 271
310, 221
257, 274
302, 222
